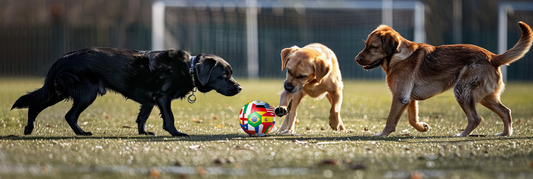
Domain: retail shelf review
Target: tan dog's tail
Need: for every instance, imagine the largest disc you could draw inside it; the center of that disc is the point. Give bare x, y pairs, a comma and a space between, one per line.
519, 49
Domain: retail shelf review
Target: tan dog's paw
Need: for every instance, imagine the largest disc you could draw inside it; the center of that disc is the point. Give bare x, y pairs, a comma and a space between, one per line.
286, 132
425, 127
341, 127
336, 124
281, 111
337, 127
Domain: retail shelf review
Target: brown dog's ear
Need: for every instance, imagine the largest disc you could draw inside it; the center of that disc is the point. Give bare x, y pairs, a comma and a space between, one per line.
285, 55
321, 68
390, 43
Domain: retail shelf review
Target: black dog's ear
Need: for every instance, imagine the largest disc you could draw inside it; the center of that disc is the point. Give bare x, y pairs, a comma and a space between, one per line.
203, 69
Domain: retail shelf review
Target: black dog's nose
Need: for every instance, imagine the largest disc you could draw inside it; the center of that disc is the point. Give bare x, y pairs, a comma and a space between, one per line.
239, 88
289, 88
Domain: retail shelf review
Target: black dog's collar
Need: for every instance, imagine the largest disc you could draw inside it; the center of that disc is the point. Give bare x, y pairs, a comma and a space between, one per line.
193, 61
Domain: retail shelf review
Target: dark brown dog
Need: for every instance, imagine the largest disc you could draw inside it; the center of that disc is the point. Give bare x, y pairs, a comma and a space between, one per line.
312, 70
418, 71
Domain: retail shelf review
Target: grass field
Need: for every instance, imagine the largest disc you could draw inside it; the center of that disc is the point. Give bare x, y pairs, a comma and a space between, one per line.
218, 148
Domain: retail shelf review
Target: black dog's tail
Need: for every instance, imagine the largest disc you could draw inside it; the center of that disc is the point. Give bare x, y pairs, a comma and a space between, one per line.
35, 98
54, 85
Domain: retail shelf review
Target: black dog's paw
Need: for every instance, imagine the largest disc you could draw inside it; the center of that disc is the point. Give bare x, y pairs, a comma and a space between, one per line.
82, 133
179, 134
175, 133
280, 111
28, 130
146, 133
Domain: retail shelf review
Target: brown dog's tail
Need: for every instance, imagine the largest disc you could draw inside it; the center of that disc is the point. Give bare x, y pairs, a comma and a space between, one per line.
519, 49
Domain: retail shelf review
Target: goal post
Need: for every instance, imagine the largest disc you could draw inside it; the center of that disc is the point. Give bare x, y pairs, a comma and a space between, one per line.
160, 32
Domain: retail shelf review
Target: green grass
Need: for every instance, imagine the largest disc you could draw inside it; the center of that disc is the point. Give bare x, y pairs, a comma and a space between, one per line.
218, 148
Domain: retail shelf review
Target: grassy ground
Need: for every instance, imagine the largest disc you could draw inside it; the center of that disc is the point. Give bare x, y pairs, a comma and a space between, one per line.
218, 148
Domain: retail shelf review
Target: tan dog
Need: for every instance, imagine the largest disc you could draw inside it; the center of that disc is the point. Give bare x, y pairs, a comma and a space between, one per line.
418, 71
312, 70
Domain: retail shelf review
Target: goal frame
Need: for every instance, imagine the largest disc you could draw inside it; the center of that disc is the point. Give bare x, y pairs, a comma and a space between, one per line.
159, 6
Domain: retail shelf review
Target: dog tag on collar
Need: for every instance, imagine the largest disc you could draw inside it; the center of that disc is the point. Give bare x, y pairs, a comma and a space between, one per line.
192, 98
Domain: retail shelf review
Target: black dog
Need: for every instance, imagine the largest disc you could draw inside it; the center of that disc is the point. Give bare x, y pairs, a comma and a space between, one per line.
147, 77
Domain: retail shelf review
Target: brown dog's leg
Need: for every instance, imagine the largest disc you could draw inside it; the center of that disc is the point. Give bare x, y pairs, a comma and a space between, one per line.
464, 97
288, 125
397, 108
493, 103
473, 118
412, 113
335, 121
469, 90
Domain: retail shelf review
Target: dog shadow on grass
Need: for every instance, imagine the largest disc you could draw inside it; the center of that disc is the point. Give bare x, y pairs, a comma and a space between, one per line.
339, 139
294, 138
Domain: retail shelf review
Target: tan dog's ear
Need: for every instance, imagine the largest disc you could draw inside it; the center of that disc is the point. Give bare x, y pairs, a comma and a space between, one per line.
285, 55
321, 68
390, 43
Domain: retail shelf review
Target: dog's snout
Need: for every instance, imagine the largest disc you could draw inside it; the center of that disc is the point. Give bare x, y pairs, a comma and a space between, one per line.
358, 58
239, 88
288, 87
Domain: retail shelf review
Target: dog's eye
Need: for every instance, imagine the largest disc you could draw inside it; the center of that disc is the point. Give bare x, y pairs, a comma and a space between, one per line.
301, 76
225, 75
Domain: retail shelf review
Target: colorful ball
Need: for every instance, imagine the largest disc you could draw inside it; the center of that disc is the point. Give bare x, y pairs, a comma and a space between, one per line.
257, 118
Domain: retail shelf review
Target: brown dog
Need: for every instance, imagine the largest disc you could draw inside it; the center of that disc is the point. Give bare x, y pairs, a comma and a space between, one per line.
312, 70
418, 71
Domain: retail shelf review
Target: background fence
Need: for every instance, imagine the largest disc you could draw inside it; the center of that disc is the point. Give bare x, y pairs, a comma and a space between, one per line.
33, 34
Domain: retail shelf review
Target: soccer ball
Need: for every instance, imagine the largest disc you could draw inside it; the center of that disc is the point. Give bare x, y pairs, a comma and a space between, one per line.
257, 118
